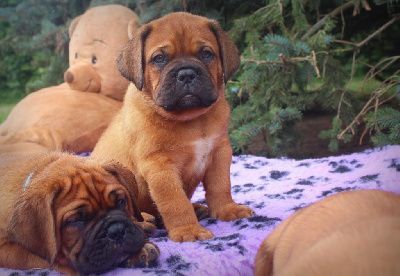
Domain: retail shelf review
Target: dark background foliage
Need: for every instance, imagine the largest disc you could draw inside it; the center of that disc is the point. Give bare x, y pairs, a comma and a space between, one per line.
288, 70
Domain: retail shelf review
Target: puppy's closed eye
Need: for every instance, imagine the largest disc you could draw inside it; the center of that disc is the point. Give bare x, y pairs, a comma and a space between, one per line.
78, 218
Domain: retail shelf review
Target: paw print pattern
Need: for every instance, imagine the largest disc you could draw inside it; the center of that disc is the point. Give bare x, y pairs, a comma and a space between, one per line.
394, 164
291, 194
344, 166
256, 222
177, 264
255, 164
225, 243
245, 188
336, 190
278, 174
311, 181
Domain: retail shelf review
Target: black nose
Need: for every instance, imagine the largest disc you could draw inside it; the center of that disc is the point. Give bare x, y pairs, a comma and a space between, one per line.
116, 231
186, 76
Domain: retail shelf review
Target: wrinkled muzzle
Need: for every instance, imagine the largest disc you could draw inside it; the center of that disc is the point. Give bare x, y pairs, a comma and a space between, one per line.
108, 243
185, 86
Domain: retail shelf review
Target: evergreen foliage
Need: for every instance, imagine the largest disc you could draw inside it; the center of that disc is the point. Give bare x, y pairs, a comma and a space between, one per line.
34, 35
293, 60
386, 122
283, 75
34, 44
290, 65
383, 123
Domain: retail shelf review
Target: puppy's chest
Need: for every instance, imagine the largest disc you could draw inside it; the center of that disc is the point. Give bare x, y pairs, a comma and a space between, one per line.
202, 149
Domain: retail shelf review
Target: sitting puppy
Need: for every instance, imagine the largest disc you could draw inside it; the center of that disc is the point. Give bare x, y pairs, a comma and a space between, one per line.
172, 130
71, 214
350, 233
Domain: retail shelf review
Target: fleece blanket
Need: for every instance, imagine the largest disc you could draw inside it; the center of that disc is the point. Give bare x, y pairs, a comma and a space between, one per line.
274, 188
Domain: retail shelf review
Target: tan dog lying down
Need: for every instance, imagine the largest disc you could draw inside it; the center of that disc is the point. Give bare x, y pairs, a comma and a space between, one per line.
57, 118
73, 214
172, 130
350, 233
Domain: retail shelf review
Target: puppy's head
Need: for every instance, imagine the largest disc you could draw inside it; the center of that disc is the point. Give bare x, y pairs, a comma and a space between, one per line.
181, 60
80, 215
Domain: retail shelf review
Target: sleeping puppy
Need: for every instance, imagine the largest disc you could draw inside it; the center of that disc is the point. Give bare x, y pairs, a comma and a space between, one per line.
72, 214
172, 130
350, 233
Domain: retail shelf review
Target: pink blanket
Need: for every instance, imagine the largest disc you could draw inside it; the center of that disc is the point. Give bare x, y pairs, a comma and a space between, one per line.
274, 188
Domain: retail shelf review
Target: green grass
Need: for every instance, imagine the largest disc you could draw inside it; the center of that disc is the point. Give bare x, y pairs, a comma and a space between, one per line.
8, 100
5, 109
363, 90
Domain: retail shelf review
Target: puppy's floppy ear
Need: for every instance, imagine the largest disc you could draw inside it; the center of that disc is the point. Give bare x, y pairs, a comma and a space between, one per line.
32, 225
126, 178
228, 51
131, 59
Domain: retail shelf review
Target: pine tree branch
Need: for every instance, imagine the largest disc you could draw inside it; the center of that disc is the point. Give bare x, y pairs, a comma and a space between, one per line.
265, 62
362, 112
321, 23
368, 106
356, 46
346, 42
381, 29
372, 73
287, 61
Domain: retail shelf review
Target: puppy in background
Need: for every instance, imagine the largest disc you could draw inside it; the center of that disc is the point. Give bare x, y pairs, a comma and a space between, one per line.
172, 130
347, 234
72, 214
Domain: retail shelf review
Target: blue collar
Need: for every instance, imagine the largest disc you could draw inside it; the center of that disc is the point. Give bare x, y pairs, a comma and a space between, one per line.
28, 180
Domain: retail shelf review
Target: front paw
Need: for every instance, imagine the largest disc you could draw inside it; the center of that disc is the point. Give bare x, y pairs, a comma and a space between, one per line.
189, 233
149, 224
201, 211
147, 257
232, 211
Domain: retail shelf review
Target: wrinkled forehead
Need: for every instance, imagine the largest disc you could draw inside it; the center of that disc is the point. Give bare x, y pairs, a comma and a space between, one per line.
180, 33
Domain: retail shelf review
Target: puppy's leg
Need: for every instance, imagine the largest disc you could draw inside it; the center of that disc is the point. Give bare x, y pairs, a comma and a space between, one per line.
165, 187
49, 139
147, 257
201, 211
218, 187
15, 257
22, 147
149, 224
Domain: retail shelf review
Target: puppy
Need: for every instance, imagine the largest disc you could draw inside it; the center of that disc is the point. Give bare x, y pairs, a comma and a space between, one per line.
57, 118
172, 130
350, 233
71, 214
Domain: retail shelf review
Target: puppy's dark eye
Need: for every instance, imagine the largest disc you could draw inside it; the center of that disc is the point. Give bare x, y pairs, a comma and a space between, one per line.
94, 60
159, 59
121, 203
76, 55
206, 55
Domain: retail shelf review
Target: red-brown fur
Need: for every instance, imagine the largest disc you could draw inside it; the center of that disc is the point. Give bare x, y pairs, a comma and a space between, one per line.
171, 152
